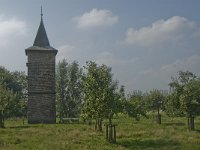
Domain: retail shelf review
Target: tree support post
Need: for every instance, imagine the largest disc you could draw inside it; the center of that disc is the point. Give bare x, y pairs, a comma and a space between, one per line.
114, 127
107, 132
111, 133
191, 123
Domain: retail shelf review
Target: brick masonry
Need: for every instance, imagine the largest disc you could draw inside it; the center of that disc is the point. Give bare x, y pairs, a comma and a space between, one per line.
41, 85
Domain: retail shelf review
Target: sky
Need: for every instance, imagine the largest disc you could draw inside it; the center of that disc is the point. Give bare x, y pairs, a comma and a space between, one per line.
146, 42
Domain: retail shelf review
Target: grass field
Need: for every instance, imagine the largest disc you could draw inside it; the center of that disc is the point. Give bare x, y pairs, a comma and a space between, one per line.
145, 134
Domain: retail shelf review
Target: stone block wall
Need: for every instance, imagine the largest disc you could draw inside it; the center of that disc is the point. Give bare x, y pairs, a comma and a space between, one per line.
41, 86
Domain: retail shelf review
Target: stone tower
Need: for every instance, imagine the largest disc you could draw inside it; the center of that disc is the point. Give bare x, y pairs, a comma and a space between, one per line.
41, 79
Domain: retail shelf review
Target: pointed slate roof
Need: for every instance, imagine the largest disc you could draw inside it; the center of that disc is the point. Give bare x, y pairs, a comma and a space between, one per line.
41, 42
41, 38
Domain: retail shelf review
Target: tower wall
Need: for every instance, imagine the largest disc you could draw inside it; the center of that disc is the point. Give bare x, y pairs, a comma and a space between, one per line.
41, 86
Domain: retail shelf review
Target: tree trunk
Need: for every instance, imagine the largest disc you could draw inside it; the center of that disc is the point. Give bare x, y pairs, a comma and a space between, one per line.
98, 124
60, 118
61, 115
1, 120
110, 139
23, 119
191, 123
159, 117
153, 116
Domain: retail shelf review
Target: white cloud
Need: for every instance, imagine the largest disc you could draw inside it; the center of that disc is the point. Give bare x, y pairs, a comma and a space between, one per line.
66, 52
12, 37
162, 32
10, 28
166, 71
109, 59
159, 78
191, 63
96, 18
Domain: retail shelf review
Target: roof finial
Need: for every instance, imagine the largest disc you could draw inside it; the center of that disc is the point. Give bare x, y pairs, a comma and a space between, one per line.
41, 13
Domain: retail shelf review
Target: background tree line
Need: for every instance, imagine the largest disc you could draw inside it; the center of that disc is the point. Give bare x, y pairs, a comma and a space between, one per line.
98, 95
90, 92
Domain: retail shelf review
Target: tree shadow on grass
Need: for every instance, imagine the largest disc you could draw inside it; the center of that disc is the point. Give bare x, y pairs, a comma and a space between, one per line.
148, 143
197, 130
22, 127
19, 127
174, 124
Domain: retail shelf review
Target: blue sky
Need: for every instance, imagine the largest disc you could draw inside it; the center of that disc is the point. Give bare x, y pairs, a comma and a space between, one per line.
144, 41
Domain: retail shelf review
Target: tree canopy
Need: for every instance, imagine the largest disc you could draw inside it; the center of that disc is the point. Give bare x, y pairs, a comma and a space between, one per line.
99, 92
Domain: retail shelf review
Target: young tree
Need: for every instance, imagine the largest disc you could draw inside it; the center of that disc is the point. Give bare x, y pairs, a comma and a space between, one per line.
187, 89
99, 92
172, 105
121, 100
135, 105
190, 101
155, 102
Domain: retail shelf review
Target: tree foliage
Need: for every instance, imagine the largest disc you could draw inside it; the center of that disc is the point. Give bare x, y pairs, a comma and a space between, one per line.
69, 89
15, 84
10, 94
135, 106
19, 87
186, 88
155, 102
6, 96
190, 98
172, 105
99, 92
121, 100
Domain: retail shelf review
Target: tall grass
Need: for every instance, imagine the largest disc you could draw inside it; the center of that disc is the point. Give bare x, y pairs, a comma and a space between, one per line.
145, 134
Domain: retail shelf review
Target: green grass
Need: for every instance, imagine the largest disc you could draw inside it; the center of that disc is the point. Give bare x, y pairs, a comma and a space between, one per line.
145, 134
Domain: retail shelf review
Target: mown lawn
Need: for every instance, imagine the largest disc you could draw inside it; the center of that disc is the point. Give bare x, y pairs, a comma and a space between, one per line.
145, 134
